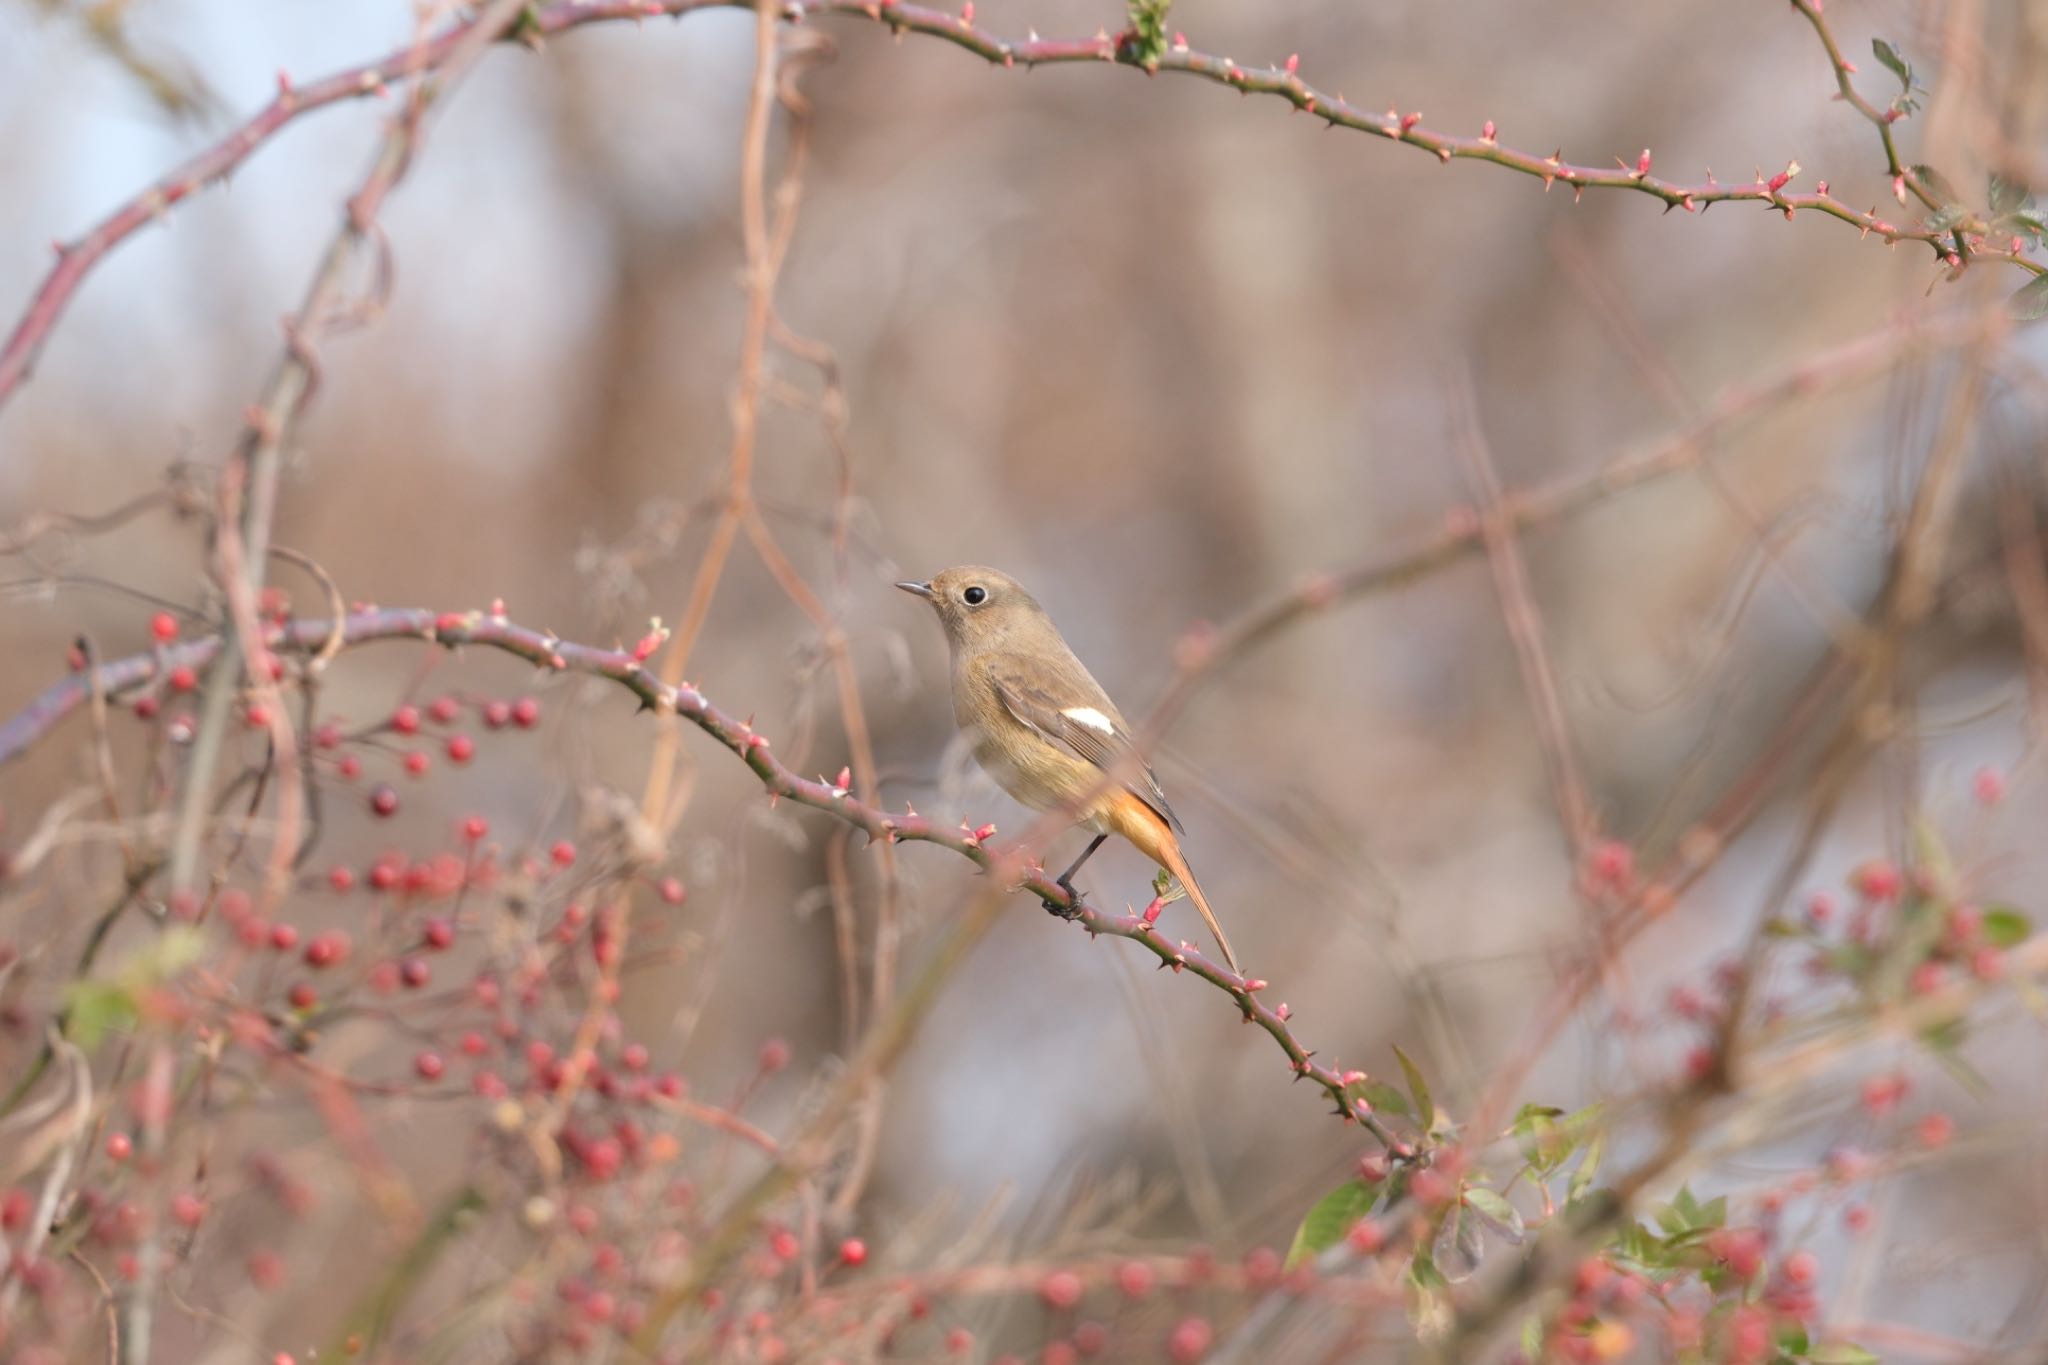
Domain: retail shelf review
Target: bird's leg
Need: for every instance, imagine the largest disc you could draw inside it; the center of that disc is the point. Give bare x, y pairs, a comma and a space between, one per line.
1065, 882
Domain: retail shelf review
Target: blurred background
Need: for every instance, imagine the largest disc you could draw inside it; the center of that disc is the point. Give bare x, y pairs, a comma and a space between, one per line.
1159, 353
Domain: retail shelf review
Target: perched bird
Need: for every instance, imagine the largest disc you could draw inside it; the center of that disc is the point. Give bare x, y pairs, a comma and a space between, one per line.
1044, 728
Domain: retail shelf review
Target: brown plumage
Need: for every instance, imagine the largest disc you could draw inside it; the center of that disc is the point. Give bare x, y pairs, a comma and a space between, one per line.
1044, 728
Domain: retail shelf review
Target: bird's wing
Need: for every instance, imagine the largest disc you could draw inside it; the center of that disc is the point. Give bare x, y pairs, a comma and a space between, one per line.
1091, 730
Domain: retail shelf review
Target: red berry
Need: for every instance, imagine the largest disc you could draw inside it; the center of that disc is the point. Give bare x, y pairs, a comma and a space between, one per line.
416, 763
775, 1055
1611, 863
853, 1252
414, 972
1856, 1218
341, 878
526, 713
633, 1056
1802, 1267
1060, 1290
603, 1158
438, 933
1936, 1130
1987, 964
257, 715
429, 1066
302, 996
119, 1147
563, 853
328, 736
474, 1044
349, 767
475, 828
671, 889
1989, 786
284, 937
497, 714
1878, 880
146, 707
15, 1209
1189, 1341
1739, 1249
164, 626
1882, 1093
383, 800
386, 874
183, 679
444, 710
1366, 1237
1134, 1279
188, 1208
461, 748
327, 949
406, 720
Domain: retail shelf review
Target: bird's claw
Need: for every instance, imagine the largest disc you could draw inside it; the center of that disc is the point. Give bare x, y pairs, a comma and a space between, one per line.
1072, 909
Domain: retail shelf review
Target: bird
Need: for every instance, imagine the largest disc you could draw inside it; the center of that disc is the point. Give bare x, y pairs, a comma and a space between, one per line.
1045, 730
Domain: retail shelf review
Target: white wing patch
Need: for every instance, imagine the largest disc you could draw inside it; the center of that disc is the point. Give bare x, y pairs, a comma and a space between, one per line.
1090, 717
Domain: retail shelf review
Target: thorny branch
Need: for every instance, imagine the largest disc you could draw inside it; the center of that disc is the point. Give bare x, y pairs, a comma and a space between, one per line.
76, 259
454, 629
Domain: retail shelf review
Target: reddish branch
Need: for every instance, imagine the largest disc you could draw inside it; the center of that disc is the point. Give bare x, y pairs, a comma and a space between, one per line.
76, 259
451, 629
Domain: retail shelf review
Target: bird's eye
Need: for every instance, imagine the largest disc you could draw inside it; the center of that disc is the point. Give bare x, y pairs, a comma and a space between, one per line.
975, 596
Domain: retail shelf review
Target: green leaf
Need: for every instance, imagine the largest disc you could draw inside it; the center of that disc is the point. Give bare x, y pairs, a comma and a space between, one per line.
1947, 217
1937, 185
1894, 61
1425, 1107
1456, 1249
1422, 1270
2005, 195
2028, 222
2005, 926
1589, 1170
1533, 1128
1385, 1099
1144, 39
1334, 1215
2031, 301
96, 1008
1503, 1217
1841, 1353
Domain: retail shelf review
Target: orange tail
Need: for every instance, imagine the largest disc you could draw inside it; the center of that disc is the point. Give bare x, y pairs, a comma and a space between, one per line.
1170, 859
1135, 820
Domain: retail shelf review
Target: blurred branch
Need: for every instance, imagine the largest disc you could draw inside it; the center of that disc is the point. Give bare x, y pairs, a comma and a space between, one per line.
76, 259
175, 86
1206, 650
1524, 621
249, 494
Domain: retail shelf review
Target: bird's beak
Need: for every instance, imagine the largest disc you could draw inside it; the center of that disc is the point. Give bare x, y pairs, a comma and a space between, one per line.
923, 590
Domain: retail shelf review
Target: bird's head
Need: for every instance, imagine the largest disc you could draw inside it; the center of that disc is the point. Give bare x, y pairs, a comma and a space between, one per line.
977, 605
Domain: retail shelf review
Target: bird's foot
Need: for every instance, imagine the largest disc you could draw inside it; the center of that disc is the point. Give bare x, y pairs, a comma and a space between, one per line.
1072, 909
